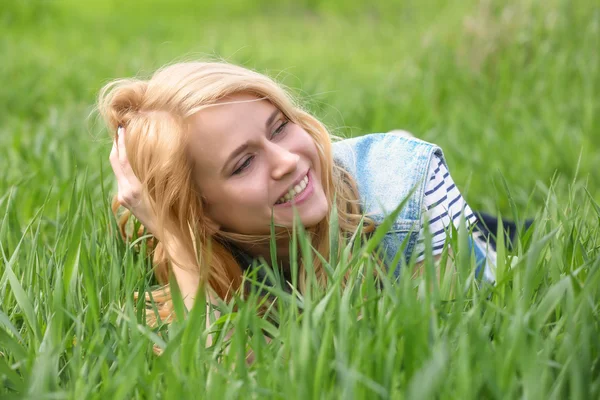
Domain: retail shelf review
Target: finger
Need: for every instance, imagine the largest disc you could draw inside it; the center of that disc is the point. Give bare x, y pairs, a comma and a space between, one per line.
124, 160
114, 161
121, 148
113, 152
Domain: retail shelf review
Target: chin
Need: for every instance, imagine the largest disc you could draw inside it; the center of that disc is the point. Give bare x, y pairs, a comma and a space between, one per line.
309, 219
311, 222
314, 217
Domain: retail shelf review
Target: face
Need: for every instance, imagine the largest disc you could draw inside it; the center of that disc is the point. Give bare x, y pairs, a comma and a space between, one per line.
251, 161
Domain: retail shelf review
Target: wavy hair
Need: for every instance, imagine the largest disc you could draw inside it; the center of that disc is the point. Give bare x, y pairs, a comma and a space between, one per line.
154, 114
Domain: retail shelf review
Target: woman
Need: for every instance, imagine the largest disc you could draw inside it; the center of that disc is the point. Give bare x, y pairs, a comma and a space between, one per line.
206, 154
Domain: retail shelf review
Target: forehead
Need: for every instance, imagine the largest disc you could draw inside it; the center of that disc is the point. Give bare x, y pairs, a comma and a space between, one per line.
229, 113
218, 130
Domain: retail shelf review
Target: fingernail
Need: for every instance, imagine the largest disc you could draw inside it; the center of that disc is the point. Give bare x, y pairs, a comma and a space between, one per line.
120, 130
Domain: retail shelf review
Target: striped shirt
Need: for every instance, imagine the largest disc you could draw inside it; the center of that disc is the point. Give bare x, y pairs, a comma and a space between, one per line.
444, 205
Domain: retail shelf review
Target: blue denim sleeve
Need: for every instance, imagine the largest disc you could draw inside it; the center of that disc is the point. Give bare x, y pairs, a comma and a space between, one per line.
485, 259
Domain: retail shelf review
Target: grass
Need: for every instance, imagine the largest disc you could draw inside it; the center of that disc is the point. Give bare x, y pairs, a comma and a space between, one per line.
508, 89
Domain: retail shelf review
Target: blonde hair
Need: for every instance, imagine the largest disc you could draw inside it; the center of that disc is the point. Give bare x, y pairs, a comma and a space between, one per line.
154, 113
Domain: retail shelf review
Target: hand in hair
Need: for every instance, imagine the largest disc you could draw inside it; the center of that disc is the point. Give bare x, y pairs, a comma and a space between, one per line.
130, 194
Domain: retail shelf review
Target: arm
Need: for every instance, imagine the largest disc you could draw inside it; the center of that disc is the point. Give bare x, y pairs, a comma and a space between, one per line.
444, 207
130, 195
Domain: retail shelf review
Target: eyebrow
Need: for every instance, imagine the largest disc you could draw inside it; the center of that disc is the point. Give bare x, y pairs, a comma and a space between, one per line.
244, 146
272, 117
233, 155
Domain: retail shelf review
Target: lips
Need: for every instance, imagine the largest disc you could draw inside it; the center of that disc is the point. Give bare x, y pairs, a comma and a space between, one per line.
295, 190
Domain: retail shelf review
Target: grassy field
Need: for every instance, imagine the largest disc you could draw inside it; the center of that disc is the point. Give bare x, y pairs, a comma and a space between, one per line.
508, 89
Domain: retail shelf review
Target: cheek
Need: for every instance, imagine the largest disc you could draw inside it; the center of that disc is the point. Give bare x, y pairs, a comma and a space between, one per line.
310, 145
247, 195
313, 152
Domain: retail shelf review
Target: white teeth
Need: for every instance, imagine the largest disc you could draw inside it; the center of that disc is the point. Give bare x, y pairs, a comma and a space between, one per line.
296, 190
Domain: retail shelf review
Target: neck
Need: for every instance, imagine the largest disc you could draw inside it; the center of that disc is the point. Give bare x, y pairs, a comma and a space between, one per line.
264, 251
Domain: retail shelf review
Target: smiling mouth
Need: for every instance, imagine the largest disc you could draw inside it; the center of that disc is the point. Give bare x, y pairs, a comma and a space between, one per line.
295, 191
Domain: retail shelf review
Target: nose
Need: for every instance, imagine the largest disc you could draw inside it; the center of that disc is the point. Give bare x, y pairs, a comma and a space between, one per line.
283, 161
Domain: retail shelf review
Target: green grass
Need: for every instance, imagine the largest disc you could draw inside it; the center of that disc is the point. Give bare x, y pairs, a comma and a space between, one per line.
508, 89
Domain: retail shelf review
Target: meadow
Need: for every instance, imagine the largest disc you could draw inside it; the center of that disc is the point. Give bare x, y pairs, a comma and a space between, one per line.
509, 90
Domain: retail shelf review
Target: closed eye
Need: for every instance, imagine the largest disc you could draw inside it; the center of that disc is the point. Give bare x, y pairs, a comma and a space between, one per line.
280, 129
248, 161
244, 165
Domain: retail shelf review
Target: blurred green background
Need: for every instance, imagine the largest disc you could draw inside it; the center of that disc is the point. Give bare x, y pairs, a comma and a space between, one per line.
507, 88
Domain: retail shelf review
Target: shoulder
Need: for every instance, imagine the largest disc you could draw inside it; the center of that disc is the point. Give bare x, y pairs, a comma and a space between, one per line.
387, 154
377, 150
387, 168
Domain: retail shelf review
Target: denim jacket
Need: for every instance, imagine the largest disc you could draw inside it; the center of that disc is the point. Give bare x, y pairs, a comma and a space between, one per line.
388, 168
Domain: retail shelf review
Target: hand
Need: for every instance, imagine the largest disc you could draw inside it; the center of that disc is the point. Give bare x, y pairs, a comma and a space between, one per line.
129, 193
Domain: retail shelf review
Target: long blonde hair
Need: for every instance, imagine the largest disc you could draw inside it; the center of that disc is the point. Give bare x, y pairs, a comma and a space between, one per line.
154, 113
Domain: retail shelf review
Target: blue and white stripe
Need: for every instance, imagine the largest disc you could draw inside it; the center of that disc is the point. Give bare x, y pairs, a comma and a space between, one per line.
444, 205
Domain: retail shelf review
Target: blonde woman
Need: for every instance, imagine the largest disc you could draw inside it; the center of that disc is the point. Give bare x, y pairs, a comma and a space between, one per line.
207, 153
